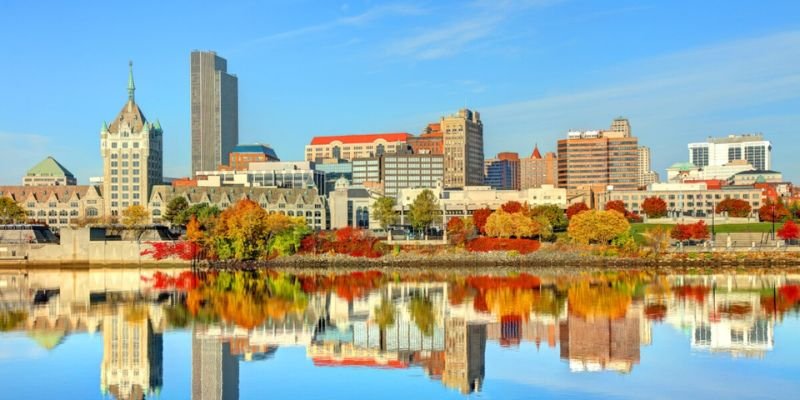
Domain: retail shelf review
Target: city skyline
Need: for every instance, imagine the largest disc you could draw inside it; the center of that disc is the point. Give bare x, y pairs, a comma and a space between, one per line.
743, 90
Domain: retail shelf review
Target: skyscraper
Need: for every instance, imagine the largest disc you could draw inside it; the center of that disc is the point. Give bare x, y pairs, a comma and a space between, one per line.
646, 173
131, 148
599, 158
215, 111
463, 149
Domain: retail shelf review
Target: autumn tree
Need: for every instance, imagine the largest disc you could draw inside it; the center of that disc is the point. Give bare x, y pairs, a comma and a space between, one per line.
505, 225
423, 210
11, 212
654, 207
512, 207
175, 210
700, 231
383, 211
576, 209
459, 230
736, 208
681, 232
595, 226
205, 214
657, 239
246, 231
135, 215
553, 214
616, 205
773, 211
479, 218
789, 231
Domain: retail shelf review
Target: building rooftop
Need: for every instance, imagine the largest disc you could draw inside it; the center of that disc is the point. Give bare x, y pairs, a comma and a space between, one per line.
742, 138
758, 172
256, 148
49, 167
361, 138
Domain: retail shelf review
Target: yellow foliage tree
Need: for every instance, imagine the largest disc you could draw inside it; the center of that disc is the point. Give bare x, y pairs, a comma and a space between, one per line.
505, 225
595, 226
135, 215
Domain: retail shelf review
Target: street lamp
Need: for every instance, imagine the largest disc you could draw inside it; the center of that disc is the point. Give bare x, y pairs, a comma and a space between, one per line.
713, 228
773, 221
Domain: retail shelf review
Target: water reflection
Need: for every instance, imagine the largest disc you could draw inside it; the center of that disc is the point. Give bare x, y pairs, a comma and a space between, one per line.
438, 323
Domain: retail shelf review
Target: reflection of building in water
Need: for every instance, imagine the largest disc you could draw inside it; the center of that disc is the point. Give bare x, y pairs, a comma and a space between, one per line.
724, 313
602, 343
215, 369
512, 330
465, 355
132, 354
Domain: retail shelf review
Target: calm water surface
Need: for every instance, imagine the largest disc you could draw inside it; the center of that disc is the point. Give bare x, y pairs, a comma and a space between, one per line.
169, 334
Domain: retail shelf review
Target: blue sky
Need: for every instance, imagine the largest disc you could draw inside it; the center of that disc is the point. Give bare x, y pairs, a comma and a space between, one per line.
679, 70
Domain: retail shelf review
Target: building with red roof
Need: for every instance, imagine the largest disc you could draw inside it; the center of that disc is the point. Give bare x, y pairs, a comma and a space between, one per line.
349, 147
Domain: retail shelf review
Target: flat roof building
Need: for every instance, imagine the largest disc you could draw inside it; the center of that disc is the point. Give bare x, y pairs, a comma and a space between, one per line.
350, 147
723, 150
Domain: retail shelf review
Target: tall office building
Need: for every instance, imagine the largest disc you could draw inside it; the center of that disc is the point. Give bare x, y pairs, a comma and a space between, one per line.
502, 172
646, 173
538, 170
599, 158
132, 153
463, 149
215, 111
716, 152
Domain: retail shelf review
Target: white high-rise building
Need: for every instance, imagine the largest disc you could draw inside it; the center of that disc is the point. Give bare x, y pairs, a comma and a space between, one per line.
131, 147
720, 151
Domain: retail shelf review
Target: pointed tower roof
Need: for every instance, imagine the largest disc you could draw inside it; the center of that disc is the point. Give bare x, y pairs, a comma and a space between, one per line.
536, 154
130, 115
49, 167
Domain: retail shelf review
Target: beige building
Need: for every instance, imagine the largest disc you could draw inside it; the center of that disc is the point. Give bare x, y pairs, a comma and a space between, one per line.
350, 147
58, 206
351, 206
132, 354
49, 172
536, 170
131, 147
646, 173
599, 159
688, 199
463, 149
304, 202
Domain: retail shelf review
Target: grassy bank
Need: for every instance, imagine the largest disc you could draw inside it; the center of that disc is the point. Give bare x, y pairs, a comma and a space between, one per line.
756, 227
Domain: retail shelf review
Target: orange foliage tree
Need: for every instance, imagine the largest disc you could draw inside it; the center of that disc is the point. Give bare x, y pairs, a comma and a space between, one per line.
773, 212
479, 218
576, 209
736, 208
654, 207
595, 226
512, 207
616, 205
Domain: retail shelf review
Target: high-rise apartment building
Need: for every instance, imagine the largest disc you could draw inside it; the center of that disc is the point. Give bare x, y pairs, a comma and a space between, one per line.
131, 147
720, 151
599, 158
536, 170
463, 149
215, 111
646, 173
503, 172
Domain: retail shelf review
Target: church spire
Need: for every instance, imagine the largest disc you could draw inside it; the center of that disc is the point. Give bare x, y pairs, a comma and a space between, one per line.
131, 86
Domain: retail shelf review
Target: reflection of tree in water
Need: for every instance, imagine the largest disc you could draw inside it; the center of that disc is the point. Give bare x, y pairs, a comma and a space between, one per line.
421, 310
11, 318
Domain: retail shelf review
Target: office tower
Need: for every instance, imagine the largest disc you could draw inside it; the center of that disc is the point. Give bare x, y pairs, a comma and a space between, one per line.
131, 147
599, 159
724, 150
536, 170
503, 172
463, 149
215, 111
49, 172
646, 173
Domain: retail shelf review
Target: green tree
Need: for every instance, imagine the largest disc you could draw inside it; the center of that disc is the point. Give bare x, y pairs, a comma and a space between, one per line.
383, 211
206, 215
175, 209
423, 210
11, 212
554, 215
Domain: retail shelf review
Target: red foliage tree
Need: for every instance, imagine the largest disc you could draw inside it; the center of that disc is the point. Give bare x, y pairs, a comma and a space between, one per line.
162, 250
768, 214
616, 205
512, 207
479, 218
789, 231
654, 207
737, 208
700, 231
576, 209
682, 232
